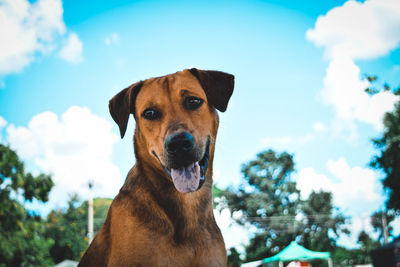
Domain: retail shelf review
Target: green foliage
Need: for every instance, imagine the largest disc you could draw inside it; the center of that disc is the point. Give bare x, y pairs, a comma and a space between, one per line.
372, 90
388, 158
27, 239
216, 194
68, 228
367, 244
377, 223
346, 257
100, 209
26, 246
372, 78
349, 257
21, 233
234, 259
321, 217
269, 200
267, 192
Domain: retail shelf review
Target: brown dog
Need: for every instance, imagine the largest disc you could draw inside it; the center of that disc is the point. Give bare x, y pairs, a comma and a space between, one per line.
163, 213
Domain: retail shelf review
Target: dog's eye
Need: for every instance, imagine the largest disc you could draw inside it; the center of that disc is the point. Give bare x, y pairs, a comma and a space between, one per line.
193, 103
151, 114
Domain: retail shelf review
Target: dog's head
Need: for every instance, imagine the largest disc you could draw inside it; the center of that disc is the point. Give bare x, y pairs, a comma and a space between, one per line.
176, 121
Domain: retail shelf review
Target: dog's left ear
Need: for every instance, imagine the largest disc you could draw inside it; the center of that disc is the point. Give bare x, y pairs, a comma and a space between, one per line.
123, 104
217, 85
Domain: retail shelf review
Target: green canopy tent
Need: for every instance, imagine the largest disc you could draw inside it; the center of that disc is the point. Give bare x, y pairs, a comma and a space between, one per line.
296, 252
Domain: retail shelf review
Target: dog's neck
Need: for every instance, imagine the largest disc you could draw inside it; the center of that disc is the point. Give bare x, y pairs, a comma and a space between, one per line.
173, 212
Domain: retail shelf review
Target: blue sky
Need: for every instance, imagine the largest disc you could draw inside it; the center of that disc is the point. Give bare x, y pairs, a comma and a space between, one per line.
298, 70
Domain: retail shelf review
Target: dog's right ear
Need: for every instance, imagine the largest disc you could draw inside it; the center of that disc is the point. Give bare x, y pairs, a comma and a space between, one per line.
123, 104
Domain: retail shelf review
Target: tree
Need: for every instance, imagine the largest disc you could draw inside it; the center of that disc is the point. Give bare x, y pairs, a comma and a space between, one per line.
388, 146
266, 195
322, 225
350, 257
269, 200
372, 90
380, 221
344, 257
388, 159
68, 227
21, 231
320, 217
367, 244
68, 230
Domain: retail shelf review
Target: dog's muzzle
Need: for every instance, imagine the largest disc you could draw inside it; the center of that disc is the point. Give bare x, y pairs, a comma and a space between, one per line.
185, 163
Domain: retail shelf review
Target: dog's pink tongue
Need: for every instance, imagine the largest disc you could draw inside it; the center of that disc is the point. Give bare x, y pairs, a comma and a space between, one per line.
186, 179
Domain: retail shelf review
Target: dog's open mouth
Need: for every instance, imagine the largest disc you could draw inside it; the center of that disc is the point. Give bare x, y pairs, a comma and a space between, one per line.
191, 177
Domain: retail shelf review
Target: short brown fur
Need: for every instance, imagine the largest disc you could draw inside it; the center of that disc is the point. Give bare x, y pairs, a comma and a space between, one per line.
149, 222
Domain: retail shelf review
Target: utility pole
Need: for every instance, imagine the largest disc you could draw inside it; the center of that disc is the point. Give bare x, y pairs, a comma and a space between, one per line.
90, 213
385, 229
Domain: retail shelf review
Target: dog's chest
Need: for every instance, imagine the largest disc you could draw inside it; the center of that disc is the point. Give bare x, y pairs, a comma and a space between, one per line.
209, 254
147, 235
144, 248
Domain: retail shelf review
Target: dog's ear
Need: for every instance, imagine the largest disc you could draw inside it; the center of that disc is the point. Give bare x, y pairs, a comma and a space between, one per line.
123, 104
217, 85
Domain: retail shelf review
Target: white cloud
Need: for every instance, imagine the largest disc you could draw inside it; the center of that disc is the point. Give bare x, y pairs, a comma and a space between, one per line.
28, 29
283, 142
344, 90
355, 190
356, 183
350, 186
75, 148
352, 31
308, 180
396, 230
358, 223
72, 50
358, 30
319, 127
112, 39
3, 123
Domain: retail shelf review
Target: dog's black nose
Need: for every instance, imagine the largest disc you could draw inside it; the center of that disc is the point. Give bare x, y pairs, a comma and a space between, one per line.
179, 143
